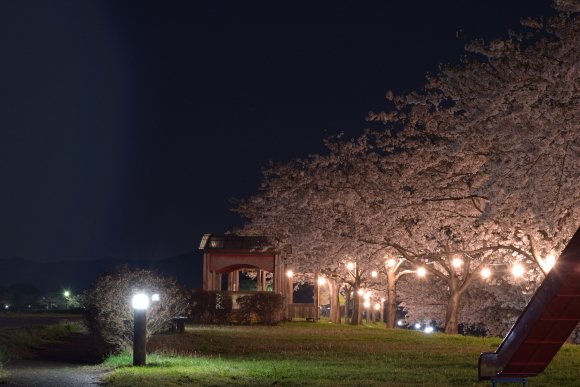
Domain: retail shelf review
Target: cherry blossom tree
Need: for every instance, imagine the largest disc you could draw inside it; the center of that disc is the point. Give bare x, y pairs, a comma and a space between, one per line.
480, 168
510, 120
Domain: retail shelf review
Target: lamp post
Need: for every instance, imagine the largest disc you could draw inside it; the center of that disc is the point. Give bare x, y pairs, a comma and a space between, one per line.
140, 305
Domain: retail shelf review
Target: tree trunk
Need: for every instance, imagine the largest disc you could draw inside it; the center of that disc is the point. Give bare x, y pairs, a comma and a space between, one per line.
346, 304
333, 289
451, 317
391, 303
356, 309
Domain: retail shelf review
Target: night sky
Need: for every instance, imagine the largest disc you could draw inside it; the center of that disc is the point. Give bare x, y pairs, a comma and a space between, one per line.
127, 126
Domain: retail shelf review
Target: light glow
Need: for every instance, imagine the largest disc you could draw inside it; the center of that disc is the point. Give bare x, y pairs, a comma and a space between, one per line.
321, 281
457, 262
400, 323
367, 304
368, 295
486, 273
374, 273
140, 301
289, 273
550, 261
421, 272
518, 270
155, 297
429, 330
417, 326
391, 262
361, 292
350, 266
377, 306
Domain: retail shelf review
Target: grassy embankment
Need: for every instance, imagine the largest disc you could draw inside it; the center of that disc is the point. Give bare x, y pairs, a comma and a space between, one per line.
15, 342
321, 354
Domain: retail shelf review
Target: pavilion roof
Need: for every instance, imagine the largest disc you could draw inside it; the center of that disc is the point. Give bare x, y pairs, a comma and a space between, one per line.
234, 242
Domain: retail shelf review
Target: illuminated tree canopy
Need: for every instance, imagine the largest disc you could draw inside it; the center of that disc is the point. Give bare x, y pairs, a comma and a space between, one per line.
479, 170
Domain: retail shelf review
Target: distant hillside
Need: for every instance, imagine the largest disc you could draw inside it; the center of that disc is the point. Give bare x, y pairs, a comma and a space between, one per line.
78, 275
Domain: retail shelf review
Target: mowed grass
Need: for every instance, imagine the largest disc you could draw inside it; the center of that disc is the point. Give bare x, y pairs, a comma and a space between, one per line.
319, 354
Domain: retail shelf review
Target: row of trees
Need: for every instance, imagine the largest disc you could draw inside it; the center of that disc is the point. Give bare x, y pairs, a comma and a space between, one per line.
478, 171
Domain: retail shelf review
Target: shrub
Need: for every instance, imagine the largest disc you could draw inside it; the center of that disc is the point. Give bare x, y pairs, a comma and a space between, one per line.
243, 315
109, 310
209, 307
268, 306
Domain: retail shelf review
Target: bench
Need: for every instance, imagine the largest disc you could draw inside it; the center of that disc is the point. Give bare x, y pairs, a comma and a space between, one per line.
543, 327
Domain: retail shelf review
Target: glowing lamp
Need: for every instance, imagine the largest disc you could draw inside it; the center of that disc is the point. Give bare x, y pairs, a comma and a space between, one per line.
550, 260
518, 270
140, 301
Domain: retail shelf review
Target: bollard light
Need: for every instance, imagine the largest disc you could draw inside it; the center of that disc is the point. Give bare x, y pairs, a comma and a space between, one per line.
140, 305
140, 301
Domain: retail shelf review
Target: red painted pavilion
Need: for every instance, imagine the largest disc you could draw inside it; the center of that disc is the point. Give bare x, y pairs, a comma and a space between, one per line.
228, 255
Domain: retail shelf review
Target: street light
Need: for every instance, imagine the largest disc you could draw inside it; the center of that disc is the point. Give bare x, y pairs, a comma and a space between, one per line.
550, 261
457, 262
140, 305
421, 272
66, 294
518, 270
486, 273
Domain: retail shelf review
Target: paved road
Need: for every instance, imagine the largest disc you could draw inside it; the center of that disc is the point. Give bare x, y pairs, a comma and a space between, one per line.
34, 373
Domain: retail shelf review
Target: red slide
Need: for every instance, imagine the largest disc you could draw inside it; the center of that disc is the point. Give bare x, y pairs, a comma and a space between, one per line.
544, 325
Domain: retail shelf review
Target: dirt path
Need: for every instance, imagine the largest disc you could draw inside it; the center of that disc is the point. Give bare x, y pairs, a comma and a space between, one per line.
68, 362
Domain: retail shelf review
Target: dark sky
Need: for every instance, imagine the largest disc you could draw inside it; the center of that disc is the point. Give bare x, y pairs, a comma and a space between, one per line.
127, 126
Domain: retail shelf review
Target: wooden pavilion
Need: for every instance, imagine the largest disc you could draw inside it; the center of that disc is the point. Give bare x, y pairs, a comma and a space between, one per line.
225, 256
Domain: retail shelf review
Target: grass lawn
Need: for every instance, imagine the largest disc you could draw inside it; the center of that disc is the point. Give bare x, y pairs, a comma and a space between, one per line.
319, 354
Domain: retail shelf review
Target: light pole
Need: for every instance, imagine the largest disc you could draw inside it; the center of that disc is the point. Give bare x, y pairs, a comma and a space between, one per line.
140, 305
